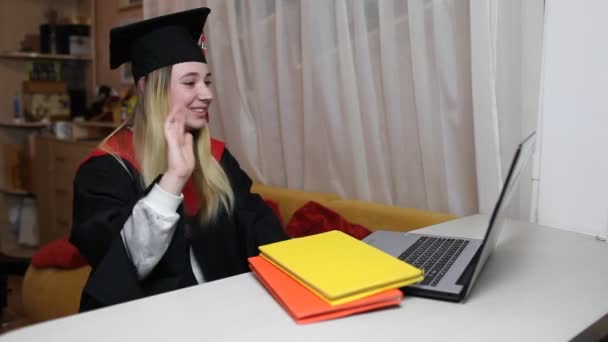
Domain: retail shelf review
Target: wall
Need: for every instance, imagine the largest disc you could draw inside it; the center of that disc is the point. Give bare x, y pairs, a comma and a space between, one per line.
573, 190
108, 15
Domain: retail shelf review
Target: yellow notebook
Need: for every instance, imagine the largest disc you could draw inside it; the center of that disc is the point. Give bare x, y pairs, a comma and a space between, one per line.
339, 268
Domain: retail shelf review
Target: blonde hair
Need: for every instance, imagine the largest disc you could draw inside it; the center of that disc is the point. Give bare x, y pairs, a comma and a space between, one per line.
210, 180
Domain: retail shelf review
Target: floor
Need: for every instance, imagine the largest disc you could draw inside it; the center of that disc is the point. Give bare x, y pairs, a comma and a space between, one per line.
12, 316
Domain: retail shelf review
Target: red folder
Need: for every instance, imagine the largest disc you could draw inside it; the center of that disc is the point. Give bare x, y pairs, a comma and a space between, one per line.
305, 306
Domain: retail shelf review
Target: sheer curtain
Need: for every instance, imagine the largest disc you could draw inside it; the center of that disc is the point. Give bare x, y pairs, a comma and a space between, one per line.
371, 99
506, 45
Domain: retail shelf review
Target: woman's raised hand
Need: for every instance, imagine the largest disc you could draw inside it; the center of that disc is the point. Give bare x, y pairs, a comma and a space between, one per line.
180, 153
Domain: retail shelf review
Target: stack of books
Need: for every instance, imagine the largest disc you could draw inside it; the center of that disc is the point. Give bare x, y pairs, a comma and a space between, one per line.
331, 275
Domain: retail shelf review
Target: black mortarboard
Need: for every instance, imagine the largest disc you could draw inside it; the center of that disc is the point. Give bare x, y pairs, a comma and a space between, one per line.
158, 42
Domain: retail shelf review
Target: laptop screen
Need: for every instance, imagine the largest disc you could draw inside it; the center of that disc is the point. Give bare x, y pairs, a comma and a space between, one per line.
520, 159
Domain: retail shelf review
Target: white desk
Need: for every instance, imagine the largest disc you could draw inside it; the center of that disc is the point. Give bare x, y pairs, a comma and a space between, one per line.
523, 294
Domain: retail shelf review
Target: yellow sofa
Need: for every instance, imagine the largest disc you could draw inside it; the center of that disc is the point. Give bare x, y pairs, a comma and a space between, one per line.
52, 293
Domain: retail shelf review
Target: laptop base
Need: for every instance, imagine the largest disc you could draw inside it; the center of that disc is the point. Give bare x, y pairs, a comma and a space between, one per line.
465, 280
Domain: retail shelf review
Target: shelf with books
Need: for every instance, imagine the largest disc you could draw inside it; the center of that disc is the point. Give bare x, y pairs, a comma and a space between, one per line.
99, 124
16, 192
24, 124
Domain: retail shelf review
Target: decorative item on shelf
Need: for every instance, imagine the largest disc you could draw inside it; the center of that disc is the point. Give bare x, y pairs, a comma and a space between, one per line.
30, 43
23, 222
79, 36
17, 112
43, 71
103, 94
126, 74
45, 99
112, 109
122, 106
111, 106
128, 101
62, 130
71, 36
48, 34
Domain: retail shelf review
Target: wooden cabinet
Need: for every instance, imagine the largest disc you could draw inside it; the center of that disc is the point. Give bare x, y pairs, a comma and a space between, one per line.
55, 165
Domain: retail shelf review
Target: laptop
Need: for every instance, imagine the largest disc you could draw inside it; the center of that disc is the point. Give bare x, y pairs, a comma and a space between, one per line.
452, 264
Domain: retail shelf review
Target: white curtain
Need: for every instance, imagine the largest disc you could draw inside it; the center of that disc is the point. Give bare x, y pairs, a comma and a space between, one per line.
506, 45
371, 99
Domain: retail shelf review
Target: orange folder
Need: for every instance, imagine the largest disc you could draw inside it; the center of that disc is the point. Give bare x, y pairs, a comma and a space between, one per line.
306, 307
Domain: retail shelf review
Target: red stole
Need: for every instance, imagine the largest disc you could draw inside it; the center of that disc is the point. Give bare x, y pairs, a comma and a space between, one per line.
121, 144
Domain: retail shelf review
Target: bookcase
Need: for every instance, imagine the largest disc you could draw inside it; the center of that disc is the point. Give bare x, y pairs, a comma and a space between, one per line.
63, 64
35, 167
29, 52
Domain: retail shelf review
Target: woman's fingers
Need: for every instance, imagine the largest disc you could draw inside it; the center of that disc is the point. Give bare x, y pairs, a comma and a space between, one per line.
188, 139
175, 125
179, 118
189, 151
180, 154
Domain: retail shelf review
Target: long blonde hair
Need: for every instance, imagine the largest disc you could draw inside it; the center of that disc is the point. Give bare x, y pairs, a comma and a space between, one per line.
210, 180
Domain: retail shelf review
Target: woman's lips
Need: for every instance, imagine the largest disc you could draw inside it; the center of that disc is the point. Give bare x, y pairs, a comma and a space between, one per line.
201, 113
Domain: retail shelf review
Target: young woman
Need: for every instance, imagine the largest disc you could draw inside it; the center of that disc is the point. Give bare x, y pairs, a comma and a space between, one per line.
161, 205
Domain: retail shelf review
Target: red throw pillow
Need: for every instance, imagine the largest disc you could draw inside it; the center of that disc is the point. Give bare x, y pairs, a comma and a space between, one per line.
275, 208
59, 254
314, 218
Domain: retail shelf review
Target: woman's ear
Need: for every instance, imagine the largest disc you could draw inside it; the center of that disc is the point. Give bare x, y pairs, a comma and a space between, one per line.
141, 82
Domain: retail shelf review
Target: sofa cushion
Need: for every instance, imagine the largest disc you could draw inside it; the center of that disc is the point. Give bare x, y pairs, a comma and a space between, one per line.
314, 218
381, 216
290, 200
59, 254
49, 293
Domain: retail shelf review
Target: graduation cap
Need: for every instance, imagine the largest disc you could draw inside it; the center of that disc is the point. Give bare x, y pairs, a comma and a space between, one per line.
158, 42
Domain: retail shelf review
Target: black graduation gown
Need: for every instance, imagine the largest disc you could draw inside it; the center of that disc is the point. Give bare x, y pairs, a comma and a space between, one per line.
104, 197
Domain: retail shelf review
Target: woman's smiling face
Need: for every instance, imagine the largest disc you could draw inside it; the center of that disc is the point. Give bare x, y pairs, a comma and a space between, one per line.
190, 90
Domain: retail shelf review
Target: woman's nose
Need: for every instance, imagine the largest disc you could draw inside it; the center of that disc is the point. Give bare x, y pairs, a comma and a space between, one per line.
205, 93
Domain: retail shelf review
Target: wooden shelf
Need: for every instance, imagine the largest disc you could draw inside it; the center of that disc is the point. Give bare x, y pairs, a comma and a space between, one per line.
92, 130
100, 124
16, 192
24, 125
36, 55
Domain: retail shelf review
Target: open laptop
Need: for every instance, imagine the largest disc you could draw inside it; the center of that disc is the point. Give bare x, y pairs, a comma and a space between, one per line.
452, 264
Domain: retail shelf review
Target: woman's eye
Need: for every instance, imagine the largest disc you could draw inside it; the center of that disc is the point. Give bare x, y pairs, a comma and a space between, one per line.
208, 82
189, 83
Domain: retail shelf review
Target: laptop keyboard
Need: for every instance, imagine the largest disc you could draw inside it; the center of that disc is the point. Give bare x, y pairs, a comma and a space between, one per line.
435, 255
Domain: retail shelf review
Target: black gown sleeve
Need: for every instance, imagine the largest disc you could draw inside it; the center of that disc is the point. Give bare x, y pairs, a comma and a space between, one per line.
104, 197
256, 222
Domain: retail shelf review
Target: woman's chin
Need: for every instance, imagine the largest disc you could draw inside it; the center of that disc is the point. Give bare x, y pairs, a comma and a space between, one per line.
196, 125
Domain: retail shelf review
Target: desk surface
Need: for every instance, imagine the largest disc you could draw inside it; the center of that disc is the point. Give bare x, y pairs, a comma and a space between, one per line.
522, 294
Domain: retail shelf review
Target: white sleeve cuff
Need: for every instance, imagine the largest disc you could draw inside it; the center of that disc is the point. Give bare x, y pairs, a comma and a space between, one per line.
162, 201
